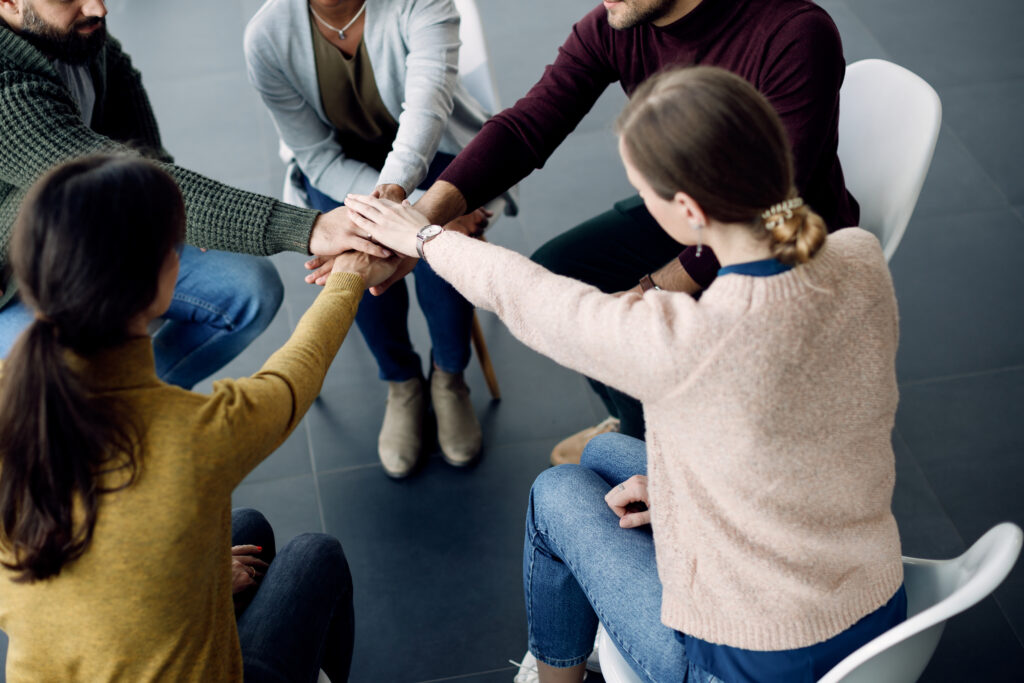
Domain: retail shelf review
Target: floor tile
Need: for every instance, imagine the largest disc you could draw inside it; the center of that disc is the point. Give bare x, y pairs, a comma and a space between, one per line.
984, 115
858, 42
289, 504
960, 304
964, 418
956, 182
436, 561
203, 37
926, 531
947, 42
977, 645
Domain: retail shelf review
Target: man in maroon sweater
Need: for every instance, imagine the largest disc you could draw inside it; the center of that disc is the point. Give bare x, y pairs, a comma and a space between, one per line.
789, 49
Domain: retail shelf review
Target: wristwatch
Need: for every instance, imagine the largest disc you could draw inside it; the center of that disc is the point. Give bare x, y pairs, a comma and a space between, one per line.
426, 233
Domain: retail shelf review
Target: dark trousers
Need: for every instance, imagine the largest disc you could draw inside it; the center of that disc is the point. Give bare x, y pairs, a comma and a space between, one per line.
383, 320
612, 251
299, 618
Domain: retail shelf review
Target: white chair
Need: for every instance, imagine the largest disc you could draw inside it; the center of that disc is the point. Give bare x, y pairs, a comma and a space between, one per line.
936, 591
889, 121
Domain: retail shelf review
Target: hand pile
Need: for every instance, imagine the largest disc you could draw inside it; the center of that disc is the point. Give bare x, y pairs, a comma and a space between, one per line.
375, 237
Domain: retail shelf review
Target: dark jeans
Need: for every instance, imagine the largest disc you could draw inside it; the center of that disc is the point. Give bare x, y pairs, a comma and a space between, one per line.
299, 619
382, 320
612, 251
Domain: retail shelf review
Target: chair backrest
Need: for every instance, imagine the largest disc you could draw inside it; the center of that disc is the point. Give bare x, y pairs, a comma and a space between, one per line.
889, 121
936, 591
474, 62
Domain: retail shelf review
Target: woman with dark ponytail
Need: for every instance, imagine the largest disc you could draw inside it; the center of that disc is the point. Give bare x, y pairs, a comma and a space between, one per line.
751, 537
115, 488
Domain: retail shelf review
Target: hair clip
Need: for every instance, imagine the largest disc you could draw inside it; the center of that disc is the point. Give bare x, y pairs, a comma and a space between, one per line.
781, 212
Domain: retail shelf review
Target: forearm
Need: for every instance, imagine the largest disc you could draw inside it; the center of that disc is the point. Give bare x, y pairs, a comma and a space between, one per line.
442, 203
672, 277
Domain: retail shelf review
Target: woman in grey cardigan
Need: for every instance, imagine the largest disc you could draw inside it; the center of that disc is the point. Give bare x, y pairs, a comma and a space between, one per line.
365, 94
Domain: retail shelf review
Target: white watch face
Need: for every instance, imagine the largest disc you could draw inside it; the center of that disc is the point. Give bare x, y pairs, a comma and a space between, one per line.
429, 232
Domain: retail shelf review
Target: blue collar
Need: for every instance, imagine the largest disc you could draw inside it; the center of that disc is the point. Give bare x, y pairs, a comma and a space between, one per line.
763, 268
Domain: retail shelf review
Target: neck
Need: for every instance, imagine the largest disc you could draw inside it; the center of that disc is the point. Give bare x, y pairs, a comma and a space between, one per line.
679, 10
737, 243
336, 11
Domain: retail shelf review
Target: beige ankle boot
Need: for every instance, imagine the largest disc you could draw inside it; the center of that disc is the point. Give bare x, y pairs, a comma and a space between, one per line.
401, 434
570, 449
458, 430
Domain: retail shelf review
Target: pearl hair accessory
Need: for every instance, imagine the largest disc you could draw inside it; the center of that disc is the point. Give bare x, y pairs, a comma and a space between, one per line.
341, 31
781, 212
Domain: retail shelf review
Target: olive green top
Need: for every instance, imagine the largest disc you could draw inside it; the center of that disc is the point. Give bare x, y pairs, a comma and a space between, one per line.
348, 91
41, 126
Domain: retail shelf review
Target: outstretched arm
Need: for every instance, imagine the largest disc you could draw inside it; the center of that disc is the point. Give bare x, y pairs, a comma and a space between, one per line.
634, 343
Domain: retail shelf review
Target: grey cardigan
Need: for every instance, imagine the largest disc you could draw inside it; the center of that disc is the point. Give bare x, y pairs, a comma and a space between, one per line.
413, 46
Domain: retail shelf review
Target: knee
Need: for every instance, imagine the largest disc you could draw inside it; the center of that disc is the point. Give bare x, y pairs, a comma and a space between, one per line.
321, 553
555, 488
250, 527
602, 447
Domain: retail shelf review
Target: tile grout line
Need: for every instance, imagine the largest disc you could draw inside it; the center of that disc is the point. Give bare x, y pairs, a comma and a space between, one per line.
963, 375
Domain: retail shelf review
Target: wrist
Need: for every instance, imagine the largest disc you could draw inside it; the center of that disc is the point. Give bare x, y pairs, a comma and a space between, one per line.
647, 283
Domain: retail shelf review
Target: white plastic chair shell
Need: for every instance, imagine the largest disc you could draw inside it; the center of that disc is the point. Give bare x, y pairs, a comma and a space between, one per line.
936, 591
889, 121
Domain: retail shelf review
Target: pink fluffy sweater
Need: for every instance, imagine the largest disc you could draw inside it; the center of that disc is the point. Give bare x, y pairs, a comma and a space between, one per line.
769, 406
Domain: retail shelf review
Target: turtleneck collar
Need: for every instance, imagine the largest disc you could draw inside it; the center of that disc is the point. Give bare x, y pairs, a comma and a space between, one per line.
125, 366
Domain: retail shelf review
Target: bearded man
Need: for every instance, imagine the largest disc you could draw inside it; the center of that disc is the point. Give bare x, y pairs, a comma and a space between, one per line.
68, 90
788, 49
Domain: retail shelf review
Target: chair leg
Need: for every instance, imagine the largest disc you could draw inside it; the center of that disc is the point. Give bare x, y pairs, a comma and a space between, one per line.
480, 345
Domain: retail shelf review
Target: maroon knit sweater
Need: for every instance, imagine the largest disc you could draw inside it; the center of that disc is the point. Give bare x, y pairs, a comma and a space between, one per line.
788, 49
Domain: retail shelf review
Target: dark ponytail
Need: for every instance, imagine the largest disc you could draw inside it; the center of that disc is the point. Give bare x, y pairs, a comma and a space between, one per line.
88, 247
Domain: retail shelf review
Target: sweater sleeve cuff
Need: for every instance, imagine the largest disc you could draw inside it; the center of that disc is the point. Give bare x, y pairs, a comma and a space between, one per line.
703, 269
289, 228
346, 281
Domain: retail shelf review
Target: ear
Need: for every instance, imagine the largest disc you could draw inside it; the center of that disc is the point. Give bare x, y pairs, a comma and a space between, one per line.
10, 12
690, 209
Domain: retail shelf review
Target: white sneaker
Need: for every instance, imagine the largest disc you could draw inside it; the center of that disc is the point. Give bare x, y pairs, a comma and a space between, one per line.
527, 669
528, 672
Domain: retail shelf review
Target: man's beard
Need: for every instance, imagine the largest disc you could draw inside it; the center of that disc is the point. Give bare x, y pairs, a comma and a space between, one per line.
70, 46
634, 16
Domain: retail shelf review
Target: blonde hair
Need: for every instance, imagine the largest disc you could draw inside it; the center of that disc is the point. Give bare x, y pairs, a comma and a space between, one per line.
707, 132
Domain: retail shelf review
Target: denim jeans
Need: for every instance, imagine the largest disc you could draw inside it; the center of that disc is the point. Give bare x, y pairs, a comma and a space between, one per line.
382, 320
299, 618
580, 566
222, 301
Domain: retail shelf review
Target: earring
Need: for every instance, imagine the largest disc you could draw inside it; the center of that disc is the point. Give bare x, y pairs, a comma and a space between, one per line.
700, 245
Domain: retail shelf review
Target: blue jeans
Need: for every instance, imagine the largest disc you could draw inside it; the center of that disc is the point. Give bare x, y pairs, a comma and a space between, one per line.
222, 301
580, 566
299, 618
382, 320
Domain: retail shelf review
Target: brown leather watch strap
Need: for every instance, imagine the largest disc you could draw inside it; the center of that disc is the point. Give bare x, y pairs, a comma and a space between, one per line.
647, 284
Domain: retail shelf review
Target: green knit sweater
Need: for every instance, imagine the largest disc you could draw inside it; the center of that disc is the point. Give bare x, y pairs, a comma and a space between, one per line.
41, 126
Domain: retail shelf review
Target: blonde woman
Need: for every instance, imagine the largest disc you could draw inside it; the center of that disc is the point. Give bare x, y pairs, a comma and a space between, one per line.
751, 538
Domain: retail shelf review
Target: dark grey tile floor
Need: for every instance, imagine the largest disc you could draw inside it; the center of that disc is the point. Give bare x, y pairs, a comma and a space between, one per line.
436, 559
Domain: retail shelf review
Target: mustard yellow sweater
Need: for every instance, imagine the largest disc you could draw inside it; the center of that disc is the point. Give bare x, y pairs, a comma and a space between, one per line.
151, 598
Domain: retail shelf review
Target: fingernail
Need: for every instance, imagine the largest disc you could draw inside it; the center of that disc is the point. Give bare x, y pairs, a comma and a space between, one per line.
259, 548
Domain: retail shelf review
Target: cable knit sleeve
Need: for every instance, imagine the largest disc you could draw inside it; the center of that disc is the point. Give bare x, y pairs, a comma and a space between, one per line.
634, 343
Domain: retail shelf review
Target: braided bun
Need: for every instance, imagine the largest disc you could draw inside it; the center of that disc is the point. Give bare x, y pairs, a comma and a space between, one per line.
796, 232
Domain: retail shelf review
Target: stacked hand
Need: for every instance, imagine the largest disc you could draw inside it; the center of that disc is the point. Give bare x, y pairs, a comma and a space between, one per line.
391, 224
